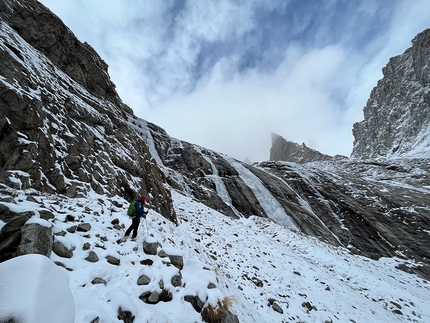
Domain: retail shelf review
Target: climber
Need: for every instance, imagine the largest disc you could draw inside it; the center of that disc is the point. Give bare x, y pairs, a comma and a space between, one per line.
135, 211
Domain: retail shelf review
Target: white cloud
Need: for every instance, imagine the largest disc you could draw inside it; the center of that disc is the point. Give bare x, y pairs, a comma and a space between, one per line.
237, 116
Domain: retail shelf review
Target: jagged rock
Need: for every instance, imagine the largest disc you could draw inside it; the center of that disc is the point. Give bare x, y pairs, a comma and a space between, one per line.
35, 239
61, 250
143, 280
113, 260
150, 248
115, 221
92, 257
86, 246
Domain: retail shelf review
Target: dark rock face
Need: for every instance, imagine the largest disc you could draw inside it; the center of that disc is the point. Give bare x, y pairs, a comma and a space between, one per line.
397, 114
67, 133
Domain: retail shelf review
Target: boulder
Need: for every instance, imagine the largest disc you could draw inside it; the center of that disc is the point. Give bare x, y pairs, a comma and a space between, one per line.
84, 227
35, 239
92, 257
62, 249
150, 248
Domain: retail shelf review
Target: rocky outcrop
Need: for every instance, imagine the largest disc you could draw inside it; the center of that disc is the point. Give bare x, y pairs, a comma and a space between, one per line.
397, 114
284, 150
36, 238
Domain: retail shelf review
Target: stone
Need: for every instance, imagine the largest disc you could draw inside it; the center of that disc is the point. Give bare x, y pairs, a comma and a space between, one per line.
84, 227
143, 280
177, 261
14, 224
113, 260
277, 308
61, 250
46, 215
147, 262
99, 280
195, 301
150, 248
161, 284
150, 297
92, 257
72, 229
176, 280
211, 286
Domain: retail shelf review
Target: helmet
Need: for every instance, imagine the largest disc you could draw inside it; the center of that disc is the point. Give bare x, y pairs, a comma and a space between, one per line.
143, 197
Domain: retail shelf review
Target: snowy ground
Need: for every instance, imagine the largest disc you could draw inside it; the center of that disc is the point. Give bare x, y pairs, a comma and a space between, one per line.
250, 260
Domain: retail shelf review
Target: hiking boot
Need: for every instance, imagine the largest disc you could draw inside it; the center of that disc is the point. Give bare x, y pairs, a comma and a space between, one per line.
133, 239
126, 237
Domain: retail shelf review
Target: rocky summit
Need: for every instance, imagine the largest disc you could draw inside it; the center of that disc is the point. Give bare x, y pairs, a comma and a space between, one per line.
65, 135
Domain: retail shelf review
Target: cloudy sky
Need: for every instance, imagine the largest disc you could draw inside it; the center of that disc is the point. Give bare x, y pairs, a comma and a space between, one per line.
225, 74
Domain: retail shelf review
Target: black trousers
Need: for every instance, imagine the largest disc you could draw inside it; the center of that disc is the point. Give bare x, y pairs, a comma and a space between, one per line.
134, 226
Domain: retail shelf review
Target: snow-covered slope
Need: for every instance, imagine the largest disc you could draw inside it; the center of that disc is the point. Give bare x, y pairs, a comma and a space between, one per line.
253, 261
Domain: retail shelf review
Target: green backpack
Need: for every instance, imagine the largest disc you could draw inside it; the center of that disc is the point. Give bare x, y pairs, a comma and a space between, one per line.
131, 209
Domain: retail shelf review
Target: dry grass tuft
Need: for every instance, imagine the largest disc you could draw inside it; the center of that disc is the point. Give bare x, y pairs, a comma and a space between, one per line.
215, 314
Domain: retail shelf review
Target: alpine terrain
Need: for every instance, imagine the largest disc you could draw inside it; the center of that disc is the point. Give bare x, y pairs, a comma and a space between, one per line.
302, 237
